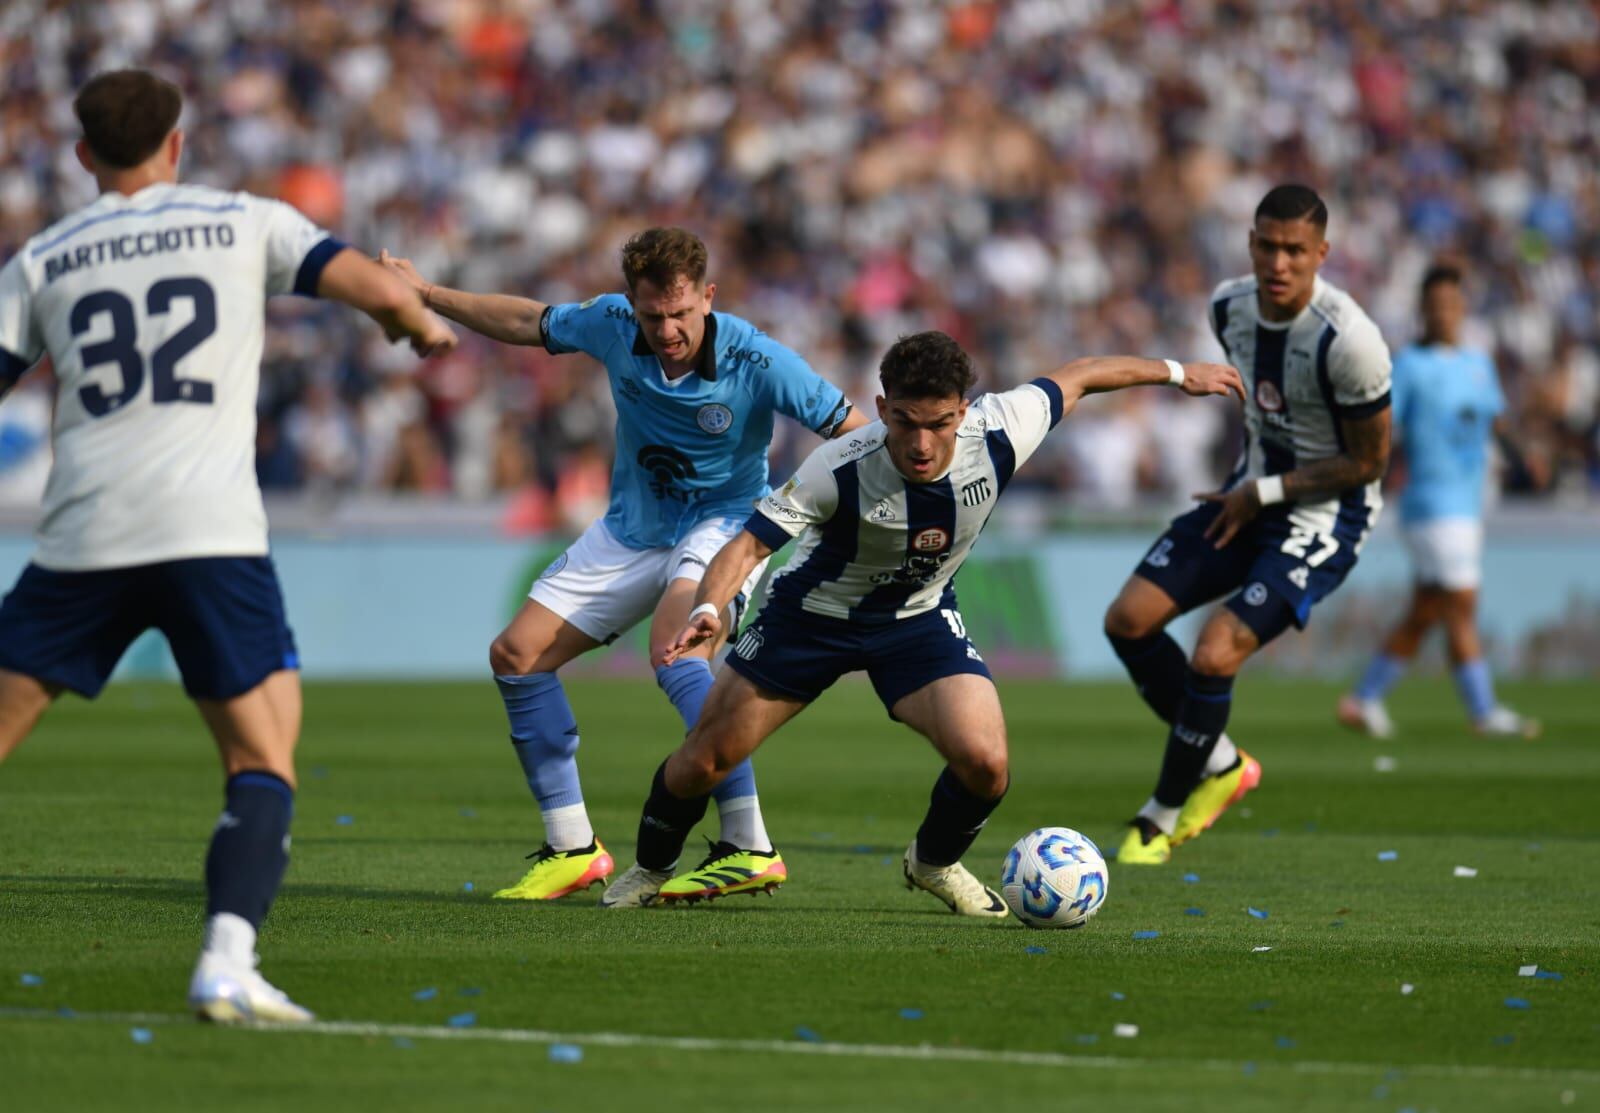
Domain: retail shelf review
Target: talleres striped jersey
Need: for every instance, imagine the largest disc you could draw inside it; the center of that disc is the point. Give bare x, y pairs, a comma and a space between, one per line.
151, 308
1302, 378
876, 547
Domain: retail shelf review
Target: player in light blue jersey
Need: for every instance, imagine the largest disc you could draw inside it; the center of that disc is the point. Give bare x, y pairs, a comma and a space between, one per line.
696, 394
1447, 407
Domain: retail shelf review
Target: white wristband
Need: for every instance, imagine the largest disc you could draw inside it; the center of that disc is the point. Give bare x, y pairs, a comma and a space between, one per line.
1269, 489
705, 608
1174, 372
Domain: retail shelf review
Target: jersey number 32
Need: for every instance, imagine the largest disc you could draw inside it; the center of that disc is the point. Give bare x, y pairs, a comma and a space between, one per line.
122, 346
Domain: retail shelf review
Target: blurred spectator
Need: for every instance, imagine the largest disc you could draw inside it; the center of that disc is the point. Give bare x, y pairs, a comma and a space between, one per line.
1040, 179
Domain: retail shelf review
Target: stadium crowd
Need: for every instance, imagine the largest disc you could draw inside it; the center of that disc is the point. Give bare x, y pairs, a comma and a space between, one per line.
1040, 178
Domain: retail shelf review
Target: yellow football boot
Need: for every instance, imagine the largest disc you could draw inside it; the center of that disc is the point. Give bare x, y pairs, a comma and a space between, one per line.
556, 873
1145, 845
726, 870
1215, 795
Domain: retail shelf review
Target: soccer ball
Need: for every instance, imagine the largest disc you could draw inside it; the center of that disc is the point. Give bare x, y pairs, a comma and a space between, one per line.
1054, 878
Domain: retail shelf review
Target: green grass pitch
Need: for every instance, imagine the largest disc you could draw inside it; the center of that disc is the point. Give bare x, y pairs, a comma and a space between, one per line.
105, 813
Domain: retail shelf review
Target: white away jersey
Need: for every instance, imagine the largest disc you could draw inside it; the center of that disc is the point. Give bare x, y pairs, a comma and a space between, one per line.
151, 308
875, 547
1302, 377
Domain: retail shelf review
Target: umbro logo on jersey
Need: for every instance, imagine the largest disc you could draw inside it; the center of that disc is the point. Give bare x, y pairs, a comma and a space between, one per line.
883, 512
974, 493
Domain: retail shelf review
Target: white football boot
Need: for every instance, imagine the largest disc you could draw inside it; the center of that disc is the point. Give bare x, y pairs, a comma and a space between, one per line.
955, 885
1502, 722
229, 992
636, 888
1368, 716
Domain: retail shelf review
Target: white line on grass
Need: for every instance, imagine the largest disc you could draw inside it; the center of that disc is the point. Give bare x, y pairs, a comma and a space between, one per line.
919, 1052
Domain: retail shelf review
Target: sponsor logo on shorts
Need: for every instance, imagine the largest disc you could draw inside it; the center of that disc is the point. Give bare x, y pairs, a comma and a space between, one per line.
1256, 594
749, 644
1267, 397
714, 418
931, 540
555, 566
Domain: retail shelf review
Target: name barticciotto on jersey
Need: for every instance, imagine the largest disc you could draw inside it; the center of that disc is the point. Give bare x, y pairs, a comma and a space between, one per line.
875, 547
152, 310
1302, 378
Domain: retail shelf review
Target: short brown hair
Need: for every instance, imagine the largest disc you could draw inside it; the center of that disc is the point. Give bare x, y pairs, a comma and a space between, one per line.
926, 365
664, 255
126, 114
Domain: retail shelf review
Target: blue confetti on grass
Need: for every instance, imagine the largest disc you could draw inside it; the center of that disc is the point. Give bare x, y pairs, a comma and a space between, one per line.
403, 1044
1249, 1068
469, 991
142, 1035
1194, 911
1146, 934
887, 861
1257, 913
1548, 975
1337, 924
1088, 1038
67, 1014
807, 1034
1379, 1092
1260, 1006
1517, 1003
1270, 833
425, 994
1388, 855
1033, 950
32, 979
345, 820
319, 771
467, 888
566, 1053
910, 1014
861, 848
468, 813
463, 1020
1118, 995
1191, 878
1503, 1041
1284, 1043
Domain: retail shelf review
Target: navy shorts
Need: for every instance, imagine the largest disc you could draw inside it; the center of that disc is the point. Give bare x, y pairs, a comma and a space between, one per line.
222, 616
1277, 569
800, 654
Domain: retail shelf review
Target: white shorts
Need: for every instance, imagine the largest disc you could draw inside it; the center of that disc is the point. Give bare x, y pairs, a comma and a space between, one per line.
604, 588
1447, 552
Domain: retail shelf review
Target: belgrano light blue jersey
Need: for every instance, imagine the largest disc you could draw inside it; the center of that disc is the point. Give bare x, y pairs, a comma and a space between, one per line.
876, 547
693, 448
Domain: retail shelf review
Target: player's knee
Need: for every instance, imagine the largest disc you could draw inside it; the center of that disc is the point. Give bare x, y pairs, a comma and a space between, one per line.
983, 774
507, 658
1124, 623
1217, 657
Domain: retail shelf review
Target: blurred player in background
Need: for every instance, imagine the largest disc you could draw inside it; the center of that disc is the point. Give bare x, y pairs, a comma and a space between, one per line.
885, 520
1284, 531
150, 305
1447, 406
696, 392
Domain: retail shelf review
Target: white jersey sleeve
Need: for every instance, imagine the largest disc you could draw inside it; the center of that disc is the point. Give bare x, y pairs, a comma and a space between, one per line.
1359, 369
20, 342
809, 498
1021, 416
292, 242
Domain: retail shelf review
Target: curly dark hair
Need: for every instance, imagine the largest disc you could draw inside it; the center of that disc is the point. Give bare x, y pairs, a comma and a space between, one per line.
664, 255
926, 365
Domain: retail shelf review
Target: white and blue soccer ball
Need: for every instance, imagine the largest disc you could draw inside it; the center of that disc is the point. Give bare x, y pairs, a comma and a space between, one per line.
1054, 878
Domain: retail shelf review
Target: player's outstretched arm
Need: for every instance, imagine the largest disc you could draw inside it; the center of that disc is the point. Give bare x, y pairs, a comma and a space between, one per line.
357, 281
724, 576
1097, 374
502, 317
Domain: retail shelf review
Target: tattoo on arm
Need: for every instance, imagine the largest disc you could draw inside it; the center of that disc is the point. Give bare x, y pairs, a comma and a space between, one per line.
1365, 458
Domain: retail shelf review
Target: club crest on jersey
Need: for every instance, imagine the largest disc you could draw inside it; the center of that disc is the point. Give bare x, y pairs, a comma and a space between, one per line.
931, 540
715, 418
1267, 397
974, 493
